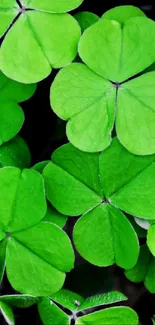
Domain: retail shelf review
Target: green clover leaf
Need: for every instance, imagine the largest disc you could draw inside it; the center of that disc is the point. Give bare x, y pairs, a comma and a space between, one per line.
114, 315
144, 270
50, 313
11, 114
19, 301
100, 187
123, 13
15, 153
94, 96
43, 36
41, 262
86, 19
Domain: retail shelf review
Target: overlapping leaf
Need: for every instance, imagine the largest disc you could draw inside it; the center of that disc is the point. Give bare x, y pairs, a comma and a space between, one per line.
15, 153
94, 96
99, 186
86, 19
50, 313
144, 270
11, 115
41, 261
20, 301
39, 39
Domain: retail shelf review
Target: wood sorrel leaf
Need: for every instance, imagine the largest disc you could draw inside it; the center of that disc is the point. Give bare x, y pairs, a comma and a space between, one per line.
86, 19
150, 239
19, 301
87, 101
114, 315
15, 91
123, 13
93, 100
54, 216
3, 245
7, 313
37, 50
8, 11
58, 6
68, 299
24, 194
15, 153
51, 313
41, 262
144, 270
49, 259
83, 186
102, 234
102, 237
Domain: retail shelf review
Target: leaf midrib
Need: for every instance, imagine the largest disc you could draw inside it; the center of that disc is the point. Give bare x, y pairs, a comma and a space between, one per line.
34, 253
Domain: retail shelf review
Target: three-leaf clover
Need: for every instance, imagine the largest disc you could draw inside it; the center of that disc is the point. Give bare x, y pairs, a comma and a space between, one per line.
71, 306
99, 186
11, 114
7, 303
41, 37
36, 253
95, 95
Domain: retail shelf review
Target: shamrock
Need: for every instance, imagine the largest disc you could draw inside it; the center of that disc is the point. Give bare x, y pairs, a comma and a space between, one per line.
100, 187
51, 313
106, 89
35, 260
11, 115
39, 35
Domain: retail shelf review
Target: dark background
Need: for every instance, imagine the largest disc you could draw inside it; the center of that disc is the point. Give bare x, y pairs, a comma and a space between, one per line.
44, 132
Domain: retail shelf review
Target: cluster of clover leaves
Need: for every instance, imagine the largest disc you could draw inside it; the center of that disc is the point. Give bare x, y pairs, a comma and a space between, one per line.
108, 182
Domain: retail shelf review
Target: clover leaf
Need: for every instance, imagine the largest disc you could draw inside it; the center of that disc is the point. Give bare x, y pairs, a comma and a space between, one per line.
123, 13
86, 19
144, 270
94, 96
11, 115
50, 313
35, 261
114, 315
100, 187
15, 153
20, 301
41, 37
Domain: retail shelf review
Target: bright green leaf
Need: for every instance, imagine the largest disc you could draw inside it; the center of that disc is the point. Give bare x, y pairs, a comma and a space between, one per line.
11, 120
102, 237
141, 233
40, 260
52, 314
86, 19
15, 91
68, 299
53, 6
55, 217
76, 198
115, 55
123, 13
8, 11
40, 166
7, 313
87, 101
15, 153
150, 239
102, 299
135, 117
114, 315
24, 194
37, 50
139, 271
19, 301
